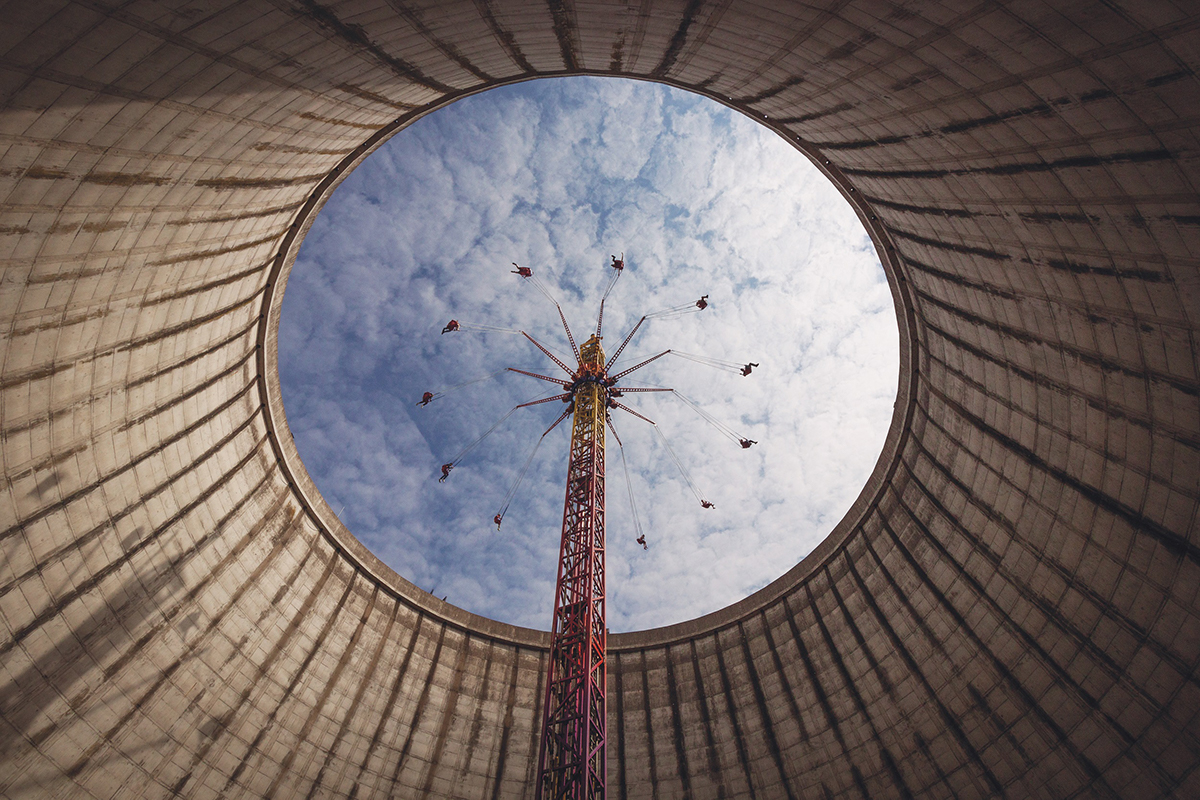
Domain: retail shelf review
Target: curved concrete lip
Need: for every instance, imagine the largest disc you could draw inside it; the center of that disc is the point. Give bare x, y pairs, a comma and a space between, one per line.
330, 526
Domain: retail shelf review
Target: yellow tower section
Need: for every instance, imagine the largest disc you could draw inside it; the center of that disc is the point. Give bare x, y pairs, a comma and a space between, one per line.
591, 398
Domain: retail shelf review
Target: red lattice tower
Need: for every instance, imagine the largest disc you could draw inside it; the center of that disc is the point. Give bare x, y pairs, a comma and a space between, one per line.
571, 762
571, 758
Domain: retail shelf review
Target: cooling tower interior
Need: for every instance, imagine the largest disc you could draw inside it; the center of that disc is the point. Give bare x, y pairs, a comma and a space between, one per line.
1009, 610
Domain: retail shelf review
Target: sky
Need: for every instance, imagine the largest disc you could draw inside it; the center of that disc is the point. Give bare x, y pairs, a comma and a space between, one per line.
558, 175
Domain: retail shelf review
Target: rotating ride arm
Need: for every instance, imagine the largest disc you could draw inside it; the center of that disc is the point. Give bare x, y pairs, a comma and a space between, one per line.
623, 373
550, 355
559, 381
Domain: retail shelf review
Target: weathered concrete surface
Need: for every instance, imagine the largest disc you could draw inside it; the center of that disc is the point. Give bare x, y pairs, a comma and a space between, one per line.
1010, 610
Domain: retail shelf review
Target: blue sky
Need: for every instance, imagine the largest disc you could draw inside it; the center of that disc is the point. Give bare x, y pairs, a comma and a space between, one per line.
557, 175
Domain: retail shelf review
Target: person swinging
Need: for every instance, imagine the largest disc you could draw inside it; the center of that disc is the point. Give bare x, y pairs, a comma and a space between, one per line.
746, 370
524, 272
445, 472
426, 399
452, 325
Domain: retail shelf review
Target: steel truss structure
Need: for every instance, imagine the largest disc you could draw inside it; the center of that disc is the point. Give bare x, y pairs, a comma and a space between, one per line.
573, 748
571, 762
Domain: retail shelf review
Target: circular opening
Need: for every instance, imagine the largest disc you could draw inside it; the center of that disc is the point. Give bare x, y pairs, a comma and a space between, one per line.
558, 175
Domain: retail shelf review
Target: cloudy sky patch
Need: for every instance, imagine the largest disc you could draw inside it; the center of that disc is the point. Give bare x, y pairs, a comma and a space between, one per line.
556, 175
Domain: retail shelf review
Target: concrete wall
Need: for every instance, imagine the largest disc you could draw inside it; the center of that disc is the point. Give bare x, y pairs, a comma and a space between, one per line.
1009, 610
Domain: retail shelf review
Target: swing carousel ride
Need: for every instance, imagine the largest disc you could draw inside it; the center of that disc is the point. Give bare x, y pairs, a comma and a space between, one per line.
571, 762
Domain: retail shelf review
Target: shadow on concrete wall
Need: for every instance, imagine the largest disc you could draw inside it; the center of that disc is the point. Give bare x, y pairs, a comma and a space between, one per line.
52, 691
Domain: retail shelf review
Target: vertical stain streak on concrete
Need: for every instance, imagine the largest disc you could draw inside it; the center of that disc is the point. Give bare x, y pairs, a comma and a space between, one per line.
948, 719
83, 491
861, 641
245, 215
368, 679
1131, 273
278, 183
731, 707
619, 729
419, 711
644, 13
1110, 409
931, 211
58, 605
954, 247
767, 94
1012, 333
959, 280
813, 677
852, 687
618, 52
857, 775
506, 727
59, 367
236, 336
198, 255
768, 724
293, 626
1100, 606
785, 682
504, 37
535, 725
356, 91
1002, 728
683, 769
858, 144
389, 705
357, 37
235, 366
279, 543
564, 31
232, 183
347, 655
962, 627
652, 770
678, 39
1038, 110
815, 115
1032, 644
261, 669
448, 717
228, 280
445, 48
1172, 541
477, 719
89, 635
710, 740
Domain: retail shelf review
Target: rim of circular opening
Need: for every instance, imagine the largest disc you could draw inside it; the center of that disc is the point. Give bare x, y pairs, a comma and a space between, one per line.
327, 523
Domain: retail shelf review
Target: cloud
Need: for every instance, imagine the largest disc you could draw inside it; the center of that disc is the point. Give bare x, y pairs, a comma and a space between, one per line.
556, 175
